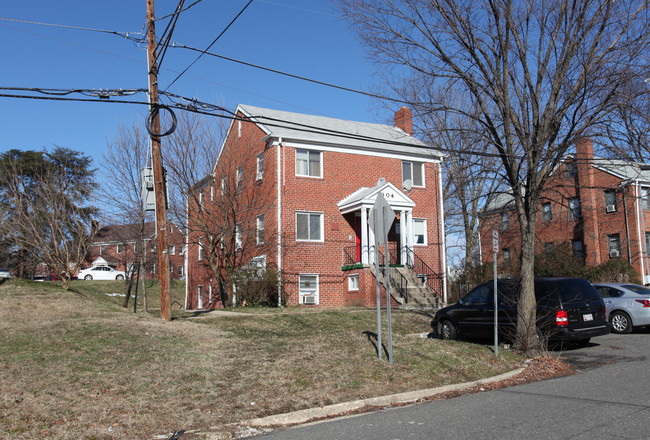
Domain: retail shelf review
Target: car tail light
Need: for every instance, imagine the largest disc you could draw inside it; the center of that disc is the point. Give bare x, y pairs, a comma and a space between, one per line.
645, 302
561, 318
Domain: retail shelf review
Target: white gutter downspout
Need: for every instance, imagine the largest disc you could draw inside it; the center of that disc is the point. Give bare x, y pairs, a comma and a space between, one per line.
279, 213
638, 230
444, 237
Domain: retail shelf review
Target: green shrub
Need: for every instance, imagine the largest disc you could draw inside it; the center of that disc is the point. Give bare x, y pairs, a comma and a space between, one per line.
616, 270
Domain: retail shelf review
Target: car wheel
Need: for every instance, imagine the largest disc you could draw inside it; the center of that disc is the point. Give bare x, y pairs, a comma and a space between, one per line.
119, 277
88, 277
620, 322
447, 330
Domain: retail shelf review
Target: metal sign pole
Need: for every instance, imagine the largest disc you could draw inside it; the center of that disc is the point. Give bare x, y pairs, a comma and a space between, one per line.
495, 249
373, 226
387, 269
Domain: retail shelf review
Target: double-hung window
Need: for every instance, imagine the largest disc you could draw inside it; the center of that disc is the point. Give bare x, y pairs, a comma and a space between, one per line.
547, 214
420, 231
614, 241
610, 201
413, 171
309, 163
200, 248
260, 229
505, 221
309, 226
259, 173
238, 236
574, 208
240, 178
308, 288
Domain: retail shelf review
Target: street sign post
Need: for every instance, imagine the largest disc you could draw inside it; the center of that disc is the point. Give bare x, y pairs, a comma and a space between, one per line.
495, 250
383, 217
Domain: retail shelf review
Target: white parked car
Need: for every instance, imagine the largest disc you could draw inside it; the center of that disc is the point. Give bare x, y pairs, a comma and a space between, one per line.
100, 273
6, 273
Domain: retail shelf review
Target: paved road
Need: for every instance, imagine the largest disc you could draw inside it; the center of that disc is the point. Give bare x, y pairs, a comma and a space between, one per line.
609, 398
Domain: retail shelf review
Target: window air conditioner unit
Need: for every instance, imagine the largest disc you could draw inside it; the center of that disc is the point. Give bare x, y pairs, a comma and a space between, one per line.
614, 253
309, 299
611, 208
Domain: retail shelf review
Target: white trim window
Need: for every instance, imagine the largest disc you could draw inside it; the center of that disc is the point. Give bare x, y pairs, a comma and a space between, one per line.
200, 248
199, 295
238, 236
309, 163
574, 208
260, 229
240, 178
413, 171
259, 173
353, 282
309, 226
420, 232
224, 185
308, 288
120, 248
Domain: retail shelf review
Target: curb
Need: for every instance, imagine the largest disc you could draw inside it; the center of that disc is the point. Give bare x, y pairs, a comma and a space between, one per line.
338, 409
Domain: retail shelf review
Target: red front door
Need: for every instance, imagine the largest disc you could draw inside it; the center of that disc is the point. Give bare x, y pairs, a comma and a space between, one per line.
357, 233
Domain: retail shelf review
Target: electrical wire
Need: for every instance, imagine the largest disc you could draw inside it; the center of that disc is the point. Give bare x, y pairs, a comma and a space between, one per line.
182, 10
166, 36
290, 75
211, 44
127, 35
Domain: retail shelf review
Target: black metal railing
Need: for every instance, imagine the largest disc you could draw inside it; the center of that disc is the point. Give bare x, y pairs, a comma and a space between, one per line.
349, 255
431, 278
399, 284
393, 255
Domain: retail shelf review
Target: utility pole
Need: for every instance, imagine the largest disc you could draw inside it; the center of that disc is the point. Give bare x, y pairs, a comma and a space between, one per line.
159, 190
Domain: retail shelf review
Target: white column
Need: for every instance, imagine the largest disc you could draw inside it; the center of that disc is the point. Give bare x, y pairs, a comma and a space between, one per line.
409, 234
371, 245
364, 235
402, 236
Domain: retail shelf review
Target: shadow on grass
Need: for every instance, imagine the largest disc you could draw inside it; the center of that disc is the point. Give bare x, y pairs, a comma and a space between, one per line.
372, 338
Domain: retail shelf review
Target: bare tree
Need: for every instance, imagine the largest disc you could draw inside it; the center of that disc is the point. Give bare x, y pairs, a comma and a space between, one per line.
51, 219
225, 208
125, 158
542, 75
629, 133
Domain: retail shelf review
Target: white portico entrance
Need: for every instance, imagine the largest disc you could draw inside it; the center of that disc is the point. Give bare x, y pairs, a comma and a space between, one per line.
362, 201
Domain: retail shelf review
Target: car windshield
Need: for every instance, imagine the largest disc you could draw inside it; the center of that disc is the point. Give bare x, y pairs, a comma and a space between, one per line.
576, 289
637, 289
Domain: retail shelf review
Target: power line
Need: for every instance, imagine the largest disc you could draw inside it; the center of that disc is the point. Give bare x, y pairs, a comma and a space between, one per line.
182, 10
126, 35
166, 36
211, 44
291, 75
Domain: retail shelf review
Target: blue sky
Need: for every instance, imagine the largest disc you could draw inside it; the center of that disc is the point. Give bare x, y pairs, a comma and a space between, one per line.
306, 38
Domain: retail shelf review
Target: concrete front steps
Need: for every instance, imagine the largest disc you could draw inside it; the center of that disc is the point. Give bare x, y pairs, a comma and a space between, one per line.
418, 295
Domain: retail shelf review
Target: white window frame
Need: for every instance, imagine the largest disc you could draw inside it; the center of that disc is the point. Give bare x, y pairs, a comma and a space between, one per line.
120, 248
547, 215
171, 250
211, 193
199, 294
310, 292
575, 211
259, 236
238, 236
200, 257
353, 282
259, 172
240, 178
201, 201
321, 226
424, 222
320, 163
411, 166
224, 185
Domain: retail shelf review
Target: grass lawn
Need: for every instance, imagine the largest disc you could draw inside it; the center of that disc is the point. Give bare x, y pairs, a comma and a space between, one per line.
77, 365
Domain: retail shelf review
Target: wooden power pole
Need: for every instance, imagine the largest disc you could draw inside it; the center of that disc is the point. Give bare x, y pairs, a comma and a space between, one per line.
159, 189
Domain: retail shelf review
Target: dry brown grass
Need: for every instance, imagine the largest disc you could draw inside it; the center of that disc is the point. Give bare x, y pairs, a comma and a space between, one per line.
75, 365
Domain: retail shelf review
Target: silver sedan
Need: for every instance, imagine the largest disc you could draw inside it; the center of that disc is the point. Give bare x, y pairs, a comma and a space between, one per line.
628, 305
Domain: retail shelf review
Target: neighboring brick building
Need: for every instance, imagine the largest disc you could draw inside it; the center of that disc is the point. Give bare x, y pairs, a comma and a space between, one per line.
115, 246
598, 208
321, 177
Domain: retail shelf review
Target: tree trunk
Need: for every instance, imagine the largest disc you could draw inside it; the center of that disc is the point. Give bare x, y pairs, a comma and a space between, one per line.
127, 297
527, 305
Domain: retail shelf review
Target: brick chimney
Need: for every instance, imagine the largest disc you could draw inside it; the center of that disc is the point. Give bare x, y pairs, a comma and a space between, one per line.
404, 120
589, 197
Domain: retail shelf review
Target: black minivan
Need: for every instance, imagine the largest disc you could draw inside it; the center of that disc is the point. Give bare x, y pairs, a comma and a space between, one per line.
568, 309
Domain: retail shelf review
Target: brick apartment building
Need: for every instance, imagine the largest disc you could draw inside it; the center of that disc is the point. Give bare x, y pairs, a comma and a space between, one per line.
300, 189
598, 208
115, 246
